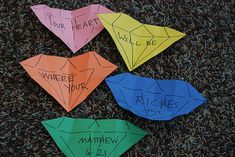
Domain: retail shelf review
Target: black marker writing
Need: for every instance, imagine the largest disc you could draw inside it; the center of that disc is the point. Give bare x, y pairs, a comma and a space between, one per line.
153, 111
57, 77
72, 87
130, 40
127, 39
105, 140
54, 23
168, 103
49, 16
85, 24
151, 42
99, 152
140, 99
164, 103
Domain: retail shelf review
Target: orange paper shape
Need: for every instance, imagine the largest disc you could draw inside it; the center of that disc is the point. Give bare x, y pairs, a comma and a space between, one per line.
69, 80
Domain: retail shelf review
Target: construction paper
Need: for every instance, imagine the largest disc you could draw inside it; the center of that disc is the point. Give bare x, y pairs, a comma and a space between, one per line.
93, 138
137, 42
154, 99
68, 80
75, 28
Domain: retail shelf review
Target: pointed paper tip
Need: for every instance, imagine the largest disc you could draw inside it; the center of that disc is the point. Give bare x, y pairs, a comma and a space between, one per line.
141, 131
68, 109
194, 93
100, 16
144, 132
31, 61
205, 99
116, 79
108, 17
172, 32
52, 122
43, 122
115, 66
39, 6
133, 68
103, 60
182, 34
73, 50
130, 68
34, 6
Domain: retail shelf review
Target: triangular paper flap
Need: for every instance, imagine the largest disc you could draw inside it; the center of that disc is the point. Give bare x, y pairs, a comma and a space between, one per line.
87, 137
128, 80
117, 78
109, 18
141, 31
75, 28
32, 62
135, 41
122, 21
69, 80
154, 99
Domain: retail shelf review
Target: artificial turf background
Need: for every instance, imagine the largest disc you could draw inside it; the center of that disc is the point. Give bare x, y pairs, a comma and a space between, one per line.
205, 58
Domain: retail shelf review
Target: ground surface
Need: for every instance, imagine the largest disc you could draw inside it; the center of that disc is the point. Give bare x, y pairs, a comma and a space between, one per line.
205, 58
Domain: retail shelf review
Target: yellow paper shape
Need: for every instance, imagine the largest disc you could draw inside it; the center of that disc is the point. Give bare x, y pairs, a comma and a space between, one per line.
138, 42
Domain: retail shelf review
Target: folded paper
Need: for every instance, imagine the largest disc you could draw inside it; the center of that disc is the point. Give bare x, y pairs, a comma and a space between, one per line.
68, 80
154, 99
75, 28
93, 138
137, 42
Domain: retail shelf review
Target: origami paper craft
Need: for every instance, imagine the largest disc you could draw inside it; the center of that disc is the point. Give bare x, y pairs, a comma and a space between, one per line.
93, 138
137, 42
75, 28
68, 80
154, 99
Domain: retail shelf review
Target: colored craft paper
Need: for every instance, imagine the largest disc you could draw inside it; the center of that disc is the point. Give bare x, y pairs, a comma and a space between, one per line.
75, 28
154, 99
93, 138
68, 80
137, 42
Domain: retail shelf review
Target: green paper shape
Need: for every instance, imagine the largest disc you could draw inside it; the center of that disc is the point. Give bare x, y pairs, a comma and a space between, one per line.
93, 138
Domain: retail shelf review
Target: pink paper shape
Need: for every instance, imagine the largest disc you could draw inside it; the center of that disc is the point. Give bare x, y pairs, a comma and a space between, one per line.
75, 28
